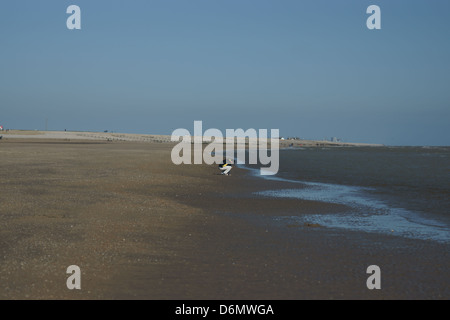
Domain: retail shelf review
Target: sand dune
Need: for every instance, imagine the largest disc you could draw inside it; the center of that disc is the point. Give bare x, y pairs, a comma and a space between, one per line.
111, 136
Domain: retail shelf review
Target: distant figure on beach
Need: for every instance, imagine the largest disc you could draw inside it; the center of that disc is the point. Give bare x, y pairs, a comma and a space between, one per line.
226, 166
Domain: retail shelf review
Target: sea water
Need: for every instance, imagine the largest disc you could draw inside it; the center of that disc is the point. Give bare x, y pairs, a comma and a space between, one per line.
403, 191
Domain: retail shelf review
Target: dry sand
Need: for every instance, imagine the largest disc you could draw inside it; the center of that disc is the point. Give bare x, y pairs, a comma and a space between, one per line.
140, 227
111, 136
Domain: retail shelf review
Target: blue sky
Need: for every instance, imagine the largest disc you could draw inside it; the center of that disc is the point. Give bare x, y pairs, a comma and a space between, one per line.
308, 68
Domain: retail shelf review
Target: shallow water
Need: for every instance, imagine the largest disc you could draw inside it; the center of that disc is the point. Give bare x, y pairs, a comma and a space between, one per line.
397, 190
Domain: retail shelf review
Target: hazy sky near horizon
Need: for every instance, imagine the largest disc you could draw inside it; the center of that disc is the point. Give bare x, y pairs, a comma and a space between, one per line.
311, 69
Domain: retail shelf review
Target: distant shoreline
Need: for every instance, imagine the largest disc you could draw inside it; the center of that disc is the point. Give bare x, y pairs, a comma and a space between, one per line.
134, 137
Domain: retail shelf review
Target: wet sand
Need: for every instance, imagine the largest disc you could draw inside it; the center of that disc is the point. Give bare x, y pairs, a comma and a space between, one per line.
140, 227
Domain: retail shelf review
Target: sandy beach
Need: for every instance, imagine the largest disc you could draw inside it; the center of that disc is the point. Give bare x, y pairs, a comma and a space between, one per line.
140, 227
130, 137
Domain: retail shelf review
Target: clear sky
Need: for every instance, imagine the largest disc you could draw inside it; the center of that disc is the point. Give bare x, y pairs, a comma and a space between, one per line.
311, 69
